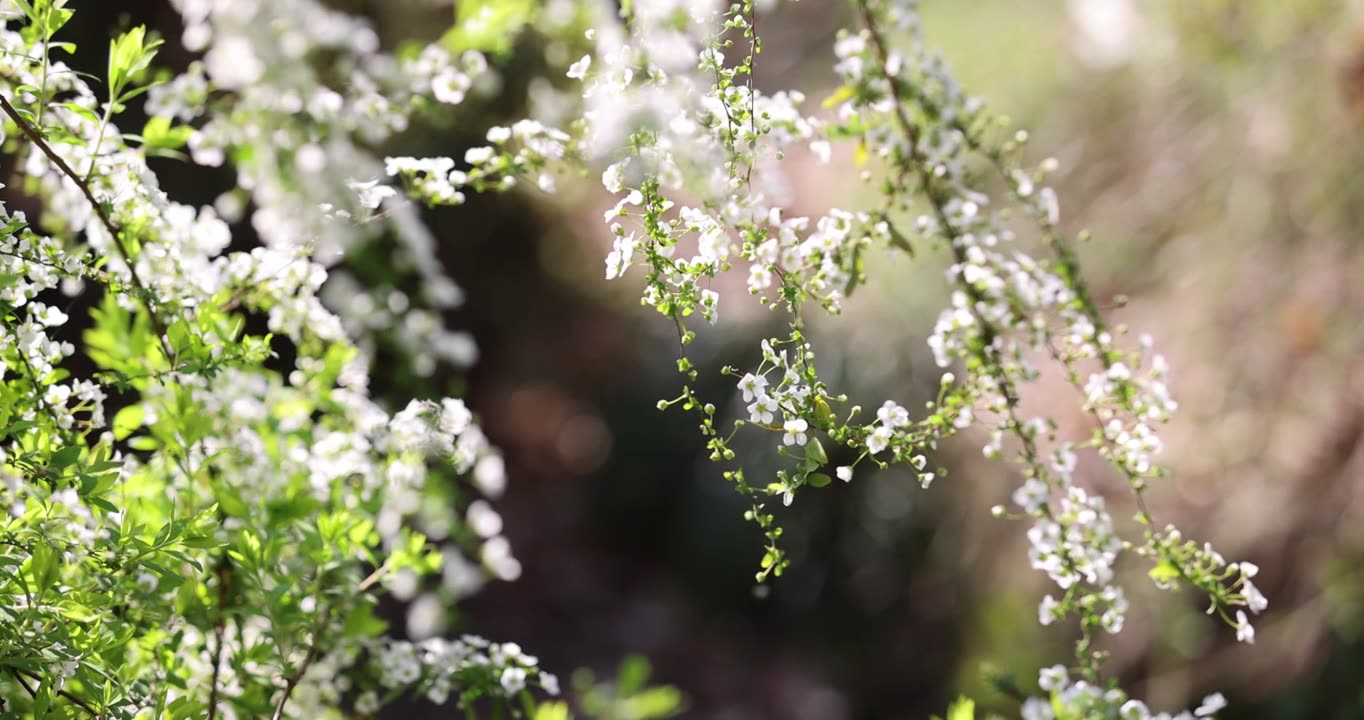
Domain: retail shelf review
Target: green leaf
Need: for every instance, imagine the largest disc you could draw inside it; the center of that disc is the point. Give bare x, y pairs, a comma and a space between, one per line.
842, 94
1164, 572
158, 133
185, 707
129, 56
66, 456
633, 673
229, 501
127, 420
551, 711
815, 451
963, 709
818, 480
488, 25
144, 443
659, 702
361, 622
824, 416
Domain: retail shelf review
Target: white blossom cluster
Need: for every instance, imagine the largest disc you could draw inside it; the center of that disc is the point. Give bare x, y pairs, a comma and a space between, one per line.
298, 137
693, 164
664, 105
250, 442
1081, 698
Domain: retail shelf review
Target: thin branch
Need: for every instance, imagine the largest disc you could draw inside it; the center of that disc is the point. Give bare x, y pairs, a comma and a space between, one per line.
314, 650
21, 674
224, 575
374, 577
108, 223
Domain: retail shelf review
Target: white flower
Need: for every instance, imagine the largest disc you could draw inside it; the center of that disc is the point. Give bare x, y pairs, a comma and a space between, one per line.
232, 62
1255, 600
795, 431
613, 179
578, 70
371, 194
844, 473
1031, 495
490, 475
1053, 678
549, 682
762, 410
1036, 709
821, 150
484, 519
1245, 632
879, 439
367, 702
513, 680
753, 386
1046, 610
450, 86
621, 256
478, 155
759, 277
892, 415
1211, 704
1134, 710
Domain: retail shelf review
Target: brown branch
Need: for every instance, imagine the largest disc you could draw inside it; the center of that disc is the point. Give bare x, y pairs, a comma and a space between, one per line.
37, 139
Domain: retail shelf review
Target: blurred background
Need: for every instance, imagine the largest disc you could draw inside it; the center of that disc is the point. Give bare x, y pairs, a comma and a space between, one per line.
1216, 150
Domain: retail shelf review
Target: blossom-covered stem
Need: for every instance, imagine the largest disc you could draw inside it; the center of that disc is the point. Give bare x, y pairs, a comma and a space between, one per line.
987, 354
754, 47
102, 213
33, 379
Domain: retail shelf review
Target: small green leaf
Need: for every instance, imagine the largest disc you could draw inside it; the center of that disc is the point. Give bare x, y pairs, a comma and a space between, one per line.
839, 96
633, 673
158, 133
551, 711
818, 480
1164, 572
815, 451
963, 709
230, 502
66, 456
127, 420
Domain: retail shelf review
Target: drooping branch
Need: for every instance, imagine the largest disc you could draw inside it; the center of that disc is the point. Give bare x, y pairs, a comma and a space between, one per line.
100, 211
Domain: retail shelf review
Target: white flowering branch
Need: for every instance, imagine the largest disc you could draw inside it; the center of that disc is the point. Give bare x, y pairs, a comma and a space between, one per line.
143, 293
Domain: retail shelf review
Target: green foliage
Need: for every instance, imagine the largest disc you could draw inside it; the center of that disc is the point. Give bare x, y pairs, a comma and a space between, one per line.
628, 696
489, 26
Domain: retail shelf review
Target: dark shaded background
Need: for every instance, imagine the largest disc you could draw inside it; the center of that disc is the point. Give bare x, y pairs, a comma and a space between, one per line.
1218, 160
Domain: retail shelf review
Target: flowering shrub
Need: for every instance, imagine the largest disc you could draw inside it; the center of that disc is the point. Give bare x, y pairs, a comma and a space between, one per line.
199, 524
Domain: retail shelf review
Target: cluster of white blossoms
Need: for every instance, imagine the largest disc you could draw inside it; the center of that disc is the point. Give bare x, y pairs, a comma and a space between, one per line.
707, 174
298, 135
433, 667
703, 133
1081, 698
292, 489
242, 492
